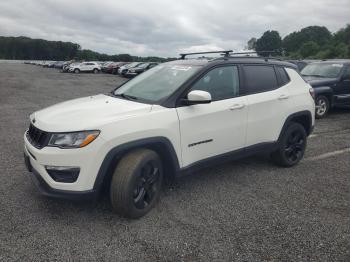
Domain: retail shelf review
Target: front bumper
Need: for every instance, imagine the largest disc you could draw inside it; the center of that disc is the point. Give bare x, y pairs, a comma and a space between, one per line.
48, 191
88, 159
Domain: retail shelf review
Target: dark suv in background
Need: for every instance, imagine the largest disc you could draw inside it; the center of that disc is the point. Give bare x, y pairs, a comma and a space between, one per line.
331, 82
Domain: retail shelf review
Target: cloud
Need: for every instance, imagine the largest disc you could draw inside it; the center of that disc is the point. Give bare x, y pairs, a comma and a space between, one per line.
164, 27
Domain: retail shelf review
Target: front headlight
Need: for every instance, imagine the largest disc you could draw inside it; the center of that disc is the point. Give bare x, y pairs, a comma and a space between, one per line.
73, 139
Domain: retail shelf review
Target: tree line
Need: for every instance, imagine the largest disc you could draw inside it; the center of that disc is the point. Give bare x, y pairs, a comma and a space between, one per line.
25, 48
313, 42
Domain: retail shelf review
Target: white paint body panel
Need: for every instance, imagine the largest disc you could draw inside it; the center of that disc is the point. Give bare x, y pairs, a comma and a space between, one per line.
217, 121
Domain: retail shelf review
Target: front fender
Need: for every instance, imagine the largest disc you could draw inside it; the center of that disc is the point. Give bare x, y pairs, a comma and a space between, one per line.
323, 90
161, 143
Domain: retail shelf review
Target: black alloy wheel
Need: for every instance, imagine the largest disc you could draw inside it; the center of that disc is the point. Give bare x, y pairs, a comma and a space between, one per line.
145, 188
294, 147
136, 183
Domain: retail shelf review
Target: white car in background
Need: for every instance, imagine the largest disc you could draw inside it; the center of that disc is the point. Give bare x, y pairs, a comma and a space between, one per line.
85, 67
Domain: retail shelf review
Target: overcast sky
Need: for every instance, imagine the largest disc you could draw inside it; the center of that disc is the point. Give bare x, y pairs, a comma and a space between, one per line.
165, 27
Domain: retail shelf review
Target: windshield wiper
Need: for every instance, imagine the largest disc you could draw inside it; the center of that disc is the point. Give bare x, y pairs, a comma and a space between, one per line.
128, 97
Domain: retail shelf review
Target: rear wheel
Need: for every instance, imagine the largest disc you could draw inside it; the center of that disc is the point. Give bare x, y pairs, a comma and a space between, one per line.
95, 71
292, 146
322, 106
136, 183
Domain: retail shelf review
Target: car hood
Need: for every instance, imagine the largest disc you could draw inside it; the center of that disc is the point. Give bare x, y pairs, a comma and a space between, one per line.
86, 113
320, 81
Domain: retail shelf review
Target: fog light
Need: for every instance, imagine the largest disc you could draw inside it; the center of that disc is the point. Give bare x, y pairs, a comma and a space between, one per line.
63, 174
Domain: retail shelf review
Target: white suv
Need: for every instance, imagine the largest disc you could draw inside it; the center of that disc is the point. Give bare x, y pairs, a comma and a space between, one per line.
171, 119
85, 67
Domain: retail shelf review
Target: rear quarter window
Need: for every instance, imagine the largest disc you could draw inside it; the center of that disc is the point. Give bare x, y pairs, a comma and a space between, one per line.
283, 77
259, 78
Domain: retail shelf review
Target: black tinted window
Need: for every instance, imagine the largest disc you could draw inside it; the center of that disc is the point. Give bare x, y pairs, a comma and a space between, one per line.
259, 78
221, 83
283, 76
346, 75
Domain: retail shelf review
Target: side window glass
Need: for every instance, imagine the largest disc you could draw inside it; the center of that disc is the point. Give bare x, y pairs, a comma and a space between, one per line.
346, 75
221, 83
259, 78
283, 76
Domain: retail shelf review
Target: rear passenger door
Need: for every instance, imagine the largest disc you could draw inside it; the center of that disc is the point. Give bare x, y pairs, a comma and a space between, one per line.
267, 100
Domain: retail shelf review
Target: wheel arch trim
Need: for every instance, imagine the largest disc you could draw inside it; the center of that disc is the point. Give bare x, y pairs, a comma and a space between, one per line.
297, 115
116, 152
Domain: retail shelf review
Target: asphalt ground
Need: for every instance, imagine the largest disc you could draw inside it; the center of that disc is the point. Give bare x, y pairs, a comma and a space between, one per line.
247, 210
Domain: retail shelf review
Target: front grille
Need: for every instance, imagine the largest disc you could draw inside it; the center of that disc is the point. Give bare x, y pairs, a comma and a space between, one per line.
37, 137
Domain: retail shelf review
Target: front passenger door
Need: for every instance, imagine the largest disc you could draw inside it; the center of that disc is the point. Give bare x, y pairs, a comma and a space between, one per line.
212, 129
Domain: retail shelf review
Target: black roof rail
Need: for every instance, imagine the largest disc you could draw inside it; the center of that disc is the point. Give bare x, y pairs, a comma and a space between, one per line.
245, 54
224, 52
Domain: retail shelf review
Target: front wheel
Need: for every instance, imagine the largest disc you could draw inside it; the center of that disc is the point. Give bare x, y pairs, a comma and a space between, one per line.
322, 106
136, 183
292, 146
77, 71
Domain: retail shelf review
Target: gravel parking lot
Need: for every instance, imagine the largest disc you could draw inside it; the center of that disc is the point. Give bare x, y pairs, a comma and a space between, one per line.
246, 210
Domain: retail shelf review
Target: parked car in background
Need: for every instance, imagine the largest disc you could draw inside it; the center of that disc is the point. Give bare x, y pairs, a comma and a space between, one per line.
105, 65
117, 65
331, 82
108, 68
134, 71
299, 63
58, 64
66, 65
123, 69
85, 67
49, 64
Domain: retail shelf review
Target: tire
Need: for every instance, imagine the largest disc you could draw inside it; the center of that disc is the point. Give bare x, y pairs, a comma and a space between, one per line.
292, 146
136, 183
77, 71
322, 106
95, 71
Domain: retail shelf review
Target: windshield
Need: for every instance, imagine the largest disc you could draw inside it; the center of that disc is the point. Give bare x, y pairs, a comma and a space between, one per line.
131, 65
157, 83
143, 65
322, 70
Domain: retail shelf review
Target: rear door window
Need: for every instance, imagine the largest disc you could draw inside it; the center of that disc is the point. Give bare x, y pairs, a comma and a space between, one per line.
259, 78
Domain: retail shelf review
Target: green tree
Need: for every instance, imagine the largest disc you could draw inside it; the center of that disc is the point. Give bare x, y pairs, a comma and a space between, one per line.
269, 41
318, 34
251, 44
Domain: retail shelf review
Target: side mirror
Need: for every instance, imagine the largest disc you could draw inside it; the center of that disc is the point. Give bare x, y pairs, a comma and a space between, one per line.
197, 97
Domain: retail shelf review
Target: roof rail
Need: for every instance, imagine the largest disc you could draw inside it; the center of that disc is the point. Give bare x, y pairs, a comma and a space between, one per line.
225, 53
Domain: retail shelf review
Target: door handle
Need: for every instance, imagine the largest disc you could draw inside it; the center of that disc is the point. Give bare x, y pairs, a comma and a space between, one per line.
237, 106
284, 96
